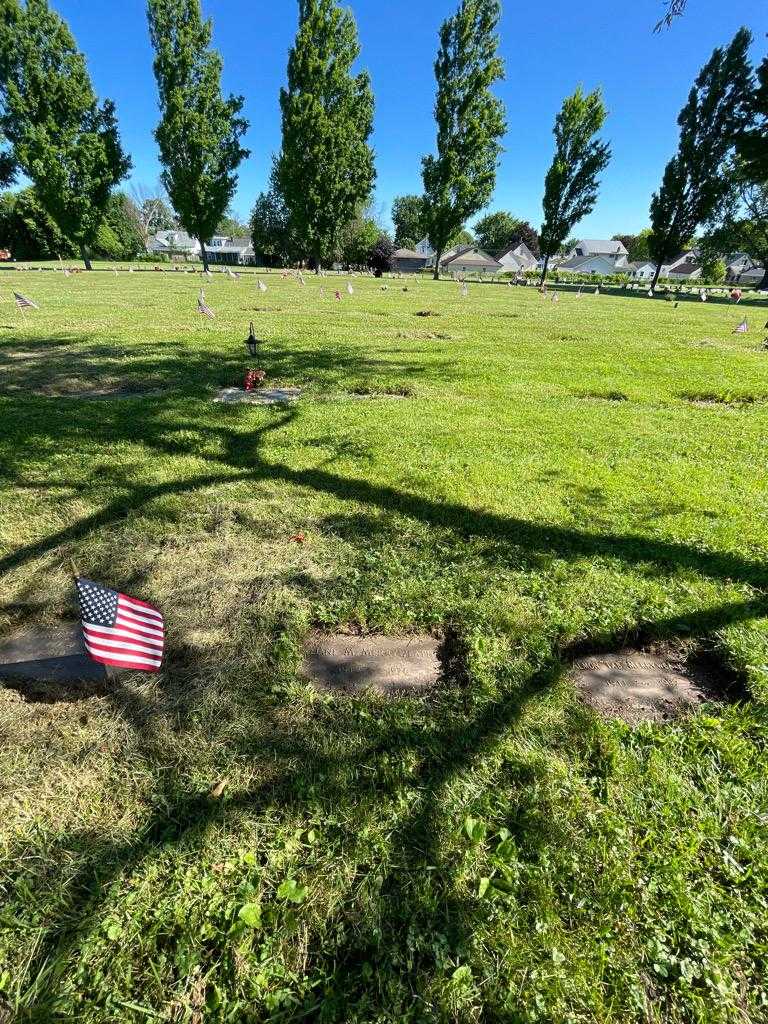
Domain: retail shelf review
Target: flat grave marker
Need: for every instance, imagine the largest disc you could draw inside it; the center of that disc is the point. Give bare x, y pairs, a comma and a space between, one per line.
389, 665
639, 686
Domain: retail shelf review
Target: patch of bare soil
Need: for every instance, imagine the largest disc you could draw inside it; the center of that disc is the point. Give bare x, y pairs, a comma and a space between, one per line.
707, 399
659, 684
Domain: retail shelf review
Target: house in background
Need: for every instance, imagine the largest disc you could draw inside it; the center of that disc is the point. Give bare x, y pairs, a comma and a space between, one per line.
608, 248
408, 261
596, 256
686, 267
742, 269
468, 259
231, 251
174, 243
518, 259
642, 270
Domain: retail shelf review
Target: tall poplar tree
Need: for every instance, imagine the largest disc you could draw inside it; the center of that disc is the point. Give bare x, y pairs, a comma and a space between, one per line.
694, 185
325, 169
460, 180
752, 144
63, 140
571, 185
200, 130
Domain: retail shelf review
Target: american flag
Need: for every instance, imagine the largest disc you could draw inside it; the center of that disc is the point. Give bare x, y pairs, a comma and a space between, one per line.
261, 286
203, 308
350, 290
742, 328
24, 303
338, 296
120, 630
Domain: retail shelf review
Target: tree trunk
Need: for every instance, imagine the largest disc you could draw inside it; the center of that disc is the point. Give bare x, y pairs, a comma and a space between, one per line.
438, 257
203, 254
656, 277
86, 257
318, 266
544, 270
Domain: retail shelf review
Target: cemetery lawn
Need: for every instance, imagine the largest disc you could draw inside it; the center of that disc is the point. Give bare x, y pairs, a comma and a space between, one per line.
222, 843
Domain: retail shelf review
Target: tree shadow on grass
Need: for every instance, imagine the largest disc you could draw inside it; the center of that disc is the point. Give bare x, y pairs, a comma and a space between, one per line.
444, 752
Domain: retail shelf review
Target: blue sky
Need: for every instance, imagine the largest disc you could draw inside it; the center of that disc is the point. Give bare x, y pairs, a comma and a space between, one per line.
549, 50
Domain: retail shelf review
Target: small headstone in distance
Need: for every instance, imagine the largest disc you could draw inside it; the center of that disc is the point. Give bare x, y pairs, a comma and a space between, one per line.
388, 665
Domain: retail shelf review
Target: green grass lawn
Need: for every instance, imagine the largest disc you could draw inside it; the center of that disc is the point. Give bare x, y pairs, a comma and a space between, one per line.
561, 478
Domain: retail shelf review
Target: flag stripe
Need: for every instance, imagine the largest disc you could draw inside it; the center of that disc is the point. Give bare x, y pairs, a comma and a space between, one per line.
103, 633
112, 659
138, 617
146, 608
140, 631
121, 645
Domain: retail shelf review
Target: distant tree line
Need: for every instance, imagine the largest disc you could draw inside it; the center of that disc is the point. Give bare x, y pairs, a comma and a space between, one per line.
58, 134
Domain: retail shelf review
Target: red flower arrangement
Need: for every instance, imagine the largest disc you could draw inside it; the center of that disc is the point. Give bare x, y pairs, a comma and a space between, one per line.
254, 378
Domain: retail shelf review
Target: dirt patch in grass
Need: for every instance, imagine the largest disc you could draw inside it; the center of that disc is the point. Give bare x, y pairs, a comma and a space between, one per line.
709, 399
392, 392
604, 396
348, 664
426, 313
423, 336
659, 683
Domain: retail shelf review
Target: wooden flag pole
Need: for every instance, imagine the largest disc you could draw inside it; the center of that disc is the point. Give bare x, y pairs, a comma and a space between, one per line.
75, 570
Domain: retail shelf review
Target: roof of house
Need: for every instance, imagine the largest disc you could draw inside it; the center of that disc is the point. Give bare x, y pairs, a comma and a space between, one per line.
471, 254
518, 249
686, 268
602, 247
576, 262
408, 254
173, 239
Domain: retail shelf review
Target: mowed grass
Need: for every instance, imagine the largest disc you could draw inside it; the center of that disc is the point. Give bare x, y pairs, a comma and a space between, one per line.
222, 843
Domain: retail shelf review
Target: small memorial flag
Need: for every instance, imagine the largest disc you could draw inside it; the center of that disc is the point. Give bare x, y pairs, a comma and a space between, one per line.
338, 296
350, 290
650, 293
261, 286
464, 291
597, 291
742, 328
120, 630
203, 308
24, 303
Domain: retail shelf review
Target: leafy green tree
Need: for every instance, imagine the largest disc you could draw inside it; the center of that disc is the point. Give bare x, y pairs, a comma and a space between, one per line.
571, 185
380, 256
156, 215
408, 243
325, 169
408, 218
200, 130
28, 231
713, 271
231, 225
460, 180
7, 164
63, 140
356, 241
123, 220
744, 223
694, 185
461, 237
752, 142
495, 231
271, 229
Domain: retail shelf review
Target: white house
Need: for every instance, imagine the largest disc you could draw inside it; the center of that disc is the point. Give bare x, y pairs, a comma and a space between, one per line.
173, 243
642, 270
609, 249
234, 251
597, 264
425, 249
518, 259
